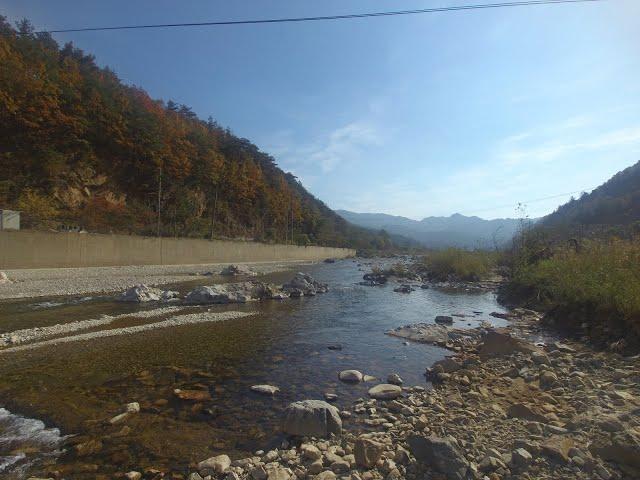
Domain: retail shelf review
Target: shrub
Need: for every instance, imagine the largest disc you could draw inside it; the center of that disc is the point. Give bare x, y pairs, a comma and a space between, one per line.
601, 275
38, 211
458, 264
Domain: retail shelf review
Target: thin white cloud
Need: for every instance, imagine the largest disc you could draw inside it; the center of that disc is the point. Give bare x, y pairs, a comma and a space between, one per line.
553, 149
343, 144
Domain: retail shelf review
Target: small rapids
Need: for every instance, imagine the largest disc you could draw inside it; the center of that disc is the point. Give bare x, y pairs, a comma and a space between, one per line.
25, 442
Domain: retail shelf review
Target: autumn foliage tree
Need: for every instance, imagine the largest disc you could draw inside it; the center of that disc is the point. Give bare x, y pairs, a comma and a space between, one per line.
77, 146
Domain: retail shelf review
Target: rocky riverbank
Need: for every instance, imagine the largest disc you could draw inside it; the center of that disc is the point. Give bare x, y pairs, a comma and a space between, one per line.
506, 404
501, 408
31, 283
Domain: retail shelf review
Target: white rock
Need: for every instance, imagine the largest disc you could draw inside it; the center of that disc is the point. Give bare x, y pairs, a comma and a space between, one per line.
214, 465
140, 293
118, 418
216, 294
265, 389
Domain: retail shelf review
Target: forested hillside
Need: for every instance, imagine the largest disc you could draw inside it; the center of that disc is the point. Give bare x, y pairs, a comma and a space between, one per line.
79, 147
612, 207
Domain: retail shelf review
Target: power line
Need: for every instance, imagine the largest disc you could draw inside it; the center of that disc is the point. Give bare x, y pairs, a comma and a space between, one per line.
526, 202
325, 17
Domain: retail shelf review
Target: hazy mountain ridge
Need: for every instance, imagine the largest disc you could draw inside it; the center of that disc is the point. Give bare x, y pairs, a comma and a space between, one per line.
438, 232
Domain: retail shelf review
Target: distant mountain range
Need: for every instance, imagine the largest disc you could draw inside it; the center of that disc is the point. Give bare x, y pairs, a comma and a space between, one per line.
439, 232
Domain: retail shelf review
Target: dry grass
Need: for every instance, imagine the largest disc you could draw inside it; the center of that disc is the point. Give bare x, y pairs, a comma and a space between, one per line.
603, 276
459, 264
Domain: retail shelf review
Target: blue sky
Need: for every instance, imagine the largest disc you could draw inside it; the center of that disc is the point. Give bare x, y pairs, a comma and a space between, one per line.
421, 115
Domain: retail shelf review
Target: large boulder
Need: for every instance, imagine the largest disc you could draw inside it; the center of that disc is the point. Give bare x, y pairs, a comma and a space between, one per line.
4, 278
385, 391
446, 365
442, 454
305, 284
367, 452
444, 320
374, 278
233, 270
214, 465
622, 448
216, 294
312, 418
500, 343
140, 293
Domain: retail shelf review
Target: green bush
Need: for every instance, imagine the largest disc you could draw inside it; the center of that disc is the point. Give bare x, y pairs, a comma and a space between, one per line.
459, 264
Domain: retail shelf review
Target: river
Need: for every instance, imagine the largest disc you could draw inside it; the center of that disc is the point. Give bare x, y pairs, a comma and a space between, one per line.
64, 394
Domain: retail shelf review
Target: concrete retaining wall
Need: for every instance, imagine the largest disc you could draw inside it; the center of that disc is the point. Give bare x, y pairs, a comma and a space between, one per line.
31, 249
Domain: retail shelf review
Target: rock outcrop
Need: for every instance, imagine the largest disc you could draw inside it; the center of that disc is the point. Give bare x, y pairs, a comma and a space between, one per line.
312, 418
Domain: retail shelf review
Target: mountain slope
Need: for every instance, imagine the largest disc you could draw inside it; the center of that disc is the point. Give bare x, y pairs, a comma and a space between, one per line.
437, 232
78, 147
615, 202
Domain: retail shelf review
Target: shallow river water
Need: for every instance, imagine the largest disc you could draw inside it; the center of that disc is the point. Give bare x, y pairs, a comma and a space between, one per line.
72, 389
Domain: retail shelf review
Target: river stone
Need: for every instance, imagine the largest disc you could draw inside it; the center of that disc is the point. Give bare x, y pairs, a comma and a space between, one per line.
444, 320
214, 465
192, 395
4, 278
326, 475
279, 473
310, 451
140, 293
265, 389
312, 418
440, 453
353, 376
520, 410
557, 447
367, 452
385, 391
233, 270
304, 283
521, 457
500, 343
622, 448
216, 295
446, 365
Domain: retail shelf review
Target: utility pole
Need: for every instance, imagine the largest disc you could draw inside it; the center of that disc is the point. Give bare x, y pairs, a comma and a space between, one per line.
159, 197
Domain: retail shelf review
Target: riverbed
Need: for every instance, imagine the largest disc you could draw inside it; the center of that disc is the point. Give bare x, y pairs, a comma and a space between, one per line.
73, 388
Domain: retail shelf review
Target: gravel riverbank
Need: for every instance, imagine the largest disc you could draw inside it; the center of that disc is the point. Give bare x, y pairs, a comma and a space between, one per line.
501, 408
43, 282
